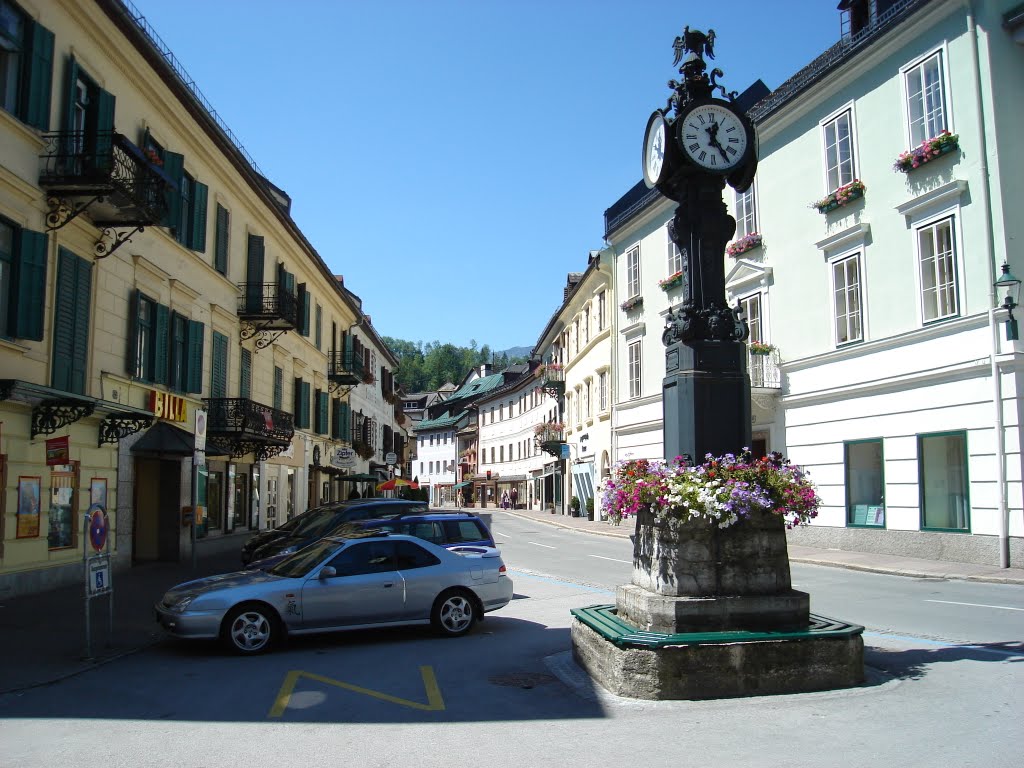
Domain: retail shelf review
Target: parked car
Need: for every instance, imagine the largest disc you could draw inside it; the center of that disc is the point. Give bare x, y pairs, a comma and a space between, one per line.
317, 522
453, 530
337, 584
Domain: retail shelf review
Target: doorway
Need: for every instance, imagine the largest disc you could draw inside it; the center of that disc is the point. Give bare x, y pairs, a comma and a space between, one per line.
157, 518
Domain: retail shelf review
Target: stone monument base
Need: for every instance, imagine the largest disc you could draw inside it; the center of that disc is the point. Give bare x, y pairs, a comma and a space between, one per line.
710, 665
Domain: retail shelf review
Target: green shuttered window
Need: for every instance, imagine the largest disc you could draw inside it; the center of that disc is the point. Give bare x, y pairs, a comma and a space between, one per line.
245, 375
322, 402
302, 404
254, 270
219, 374
278, 388
22, 281
71, 323
220, 249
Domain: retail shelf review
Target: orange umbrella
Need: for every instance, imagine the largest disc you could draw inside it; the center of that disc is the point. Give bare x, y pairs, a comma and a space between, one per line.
396, 482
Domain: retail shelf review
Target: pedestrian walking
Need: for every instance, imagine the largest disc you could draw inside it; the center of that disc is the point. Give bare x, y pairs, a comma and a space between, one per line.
514, 496
504, 499
459, 499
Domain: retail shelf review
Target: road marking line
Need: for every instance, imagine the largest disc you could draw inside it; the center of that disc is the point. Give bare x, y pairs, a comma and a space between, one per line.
976, 605
435, 702
614, 560
541, 545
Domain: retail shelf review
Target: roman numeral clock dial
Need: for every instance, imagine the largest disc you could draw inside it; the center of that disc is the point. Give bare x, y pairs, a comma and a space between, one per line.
713, 136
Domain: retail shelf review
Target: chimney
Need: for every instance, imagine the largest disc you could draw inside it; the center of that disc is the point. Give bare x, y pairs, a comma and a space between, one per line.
485, 369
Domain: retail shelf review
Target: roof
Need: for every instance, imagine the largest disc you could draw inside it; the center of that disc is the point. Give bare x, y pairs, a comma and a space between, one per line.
479, 386
441, 422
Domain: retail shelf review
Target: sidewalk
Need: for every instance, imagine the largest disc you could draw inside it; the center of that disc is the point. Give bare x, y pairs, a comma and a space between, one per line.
42, 637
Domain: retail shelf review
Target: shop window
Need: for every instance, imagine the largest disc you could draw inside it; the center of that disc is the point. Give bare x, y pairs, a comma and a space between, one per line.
943, 481
865, 483
63, 521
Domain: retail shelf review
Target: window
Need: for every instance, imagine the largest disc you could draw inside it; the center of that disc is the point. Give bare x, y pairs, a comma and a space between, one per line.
22, 281
838, 138
925, 99
675, 257
501, 453
746, 220
411, 555
71, 323
221, 242
633, 272
751, 306
601, 310
26, 66
865, 483
150, 335
602, 391
301, 397
319, 330
587, 400
178, 373
942, 468
245, 375
365, 558
278, 388
633, 368
937, 257
191, 227
586, 324
219, 374
846, 293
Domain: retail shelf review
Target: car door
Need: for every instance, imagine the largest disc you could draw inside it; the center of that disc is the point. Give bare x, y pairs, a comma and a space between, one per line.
367, 588
424, 576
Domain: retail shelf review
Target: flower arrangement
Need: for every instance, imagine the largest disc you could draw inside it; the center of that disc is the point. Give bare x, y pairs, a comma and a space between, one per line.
926, 152
760, 348
845, 194
550, 370
630, 303
153, 156
723, 490
549, 428
671, 281
744, 244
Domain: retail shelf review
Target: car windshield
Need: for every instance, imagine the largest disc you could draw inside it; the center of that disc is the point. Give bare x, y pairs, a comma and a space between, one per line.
303, 561
316, 525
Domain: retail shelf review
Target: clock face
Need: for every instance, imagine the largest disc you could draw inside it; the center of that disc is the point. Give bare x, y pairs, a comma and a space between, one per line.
658, 150
712, 136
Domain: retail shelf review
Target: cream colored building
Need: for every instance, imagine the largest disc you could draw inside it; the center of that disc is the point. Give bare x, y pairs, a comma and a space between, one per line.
148, 269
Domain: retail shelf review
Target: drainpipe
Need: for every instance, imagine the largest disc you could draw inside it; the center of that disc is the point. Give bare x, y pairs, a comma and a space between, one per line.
989, 246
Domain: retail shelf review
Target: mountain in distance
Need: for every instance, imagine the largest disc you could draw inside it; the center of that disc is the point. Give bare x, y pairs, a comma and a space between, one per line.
513, 352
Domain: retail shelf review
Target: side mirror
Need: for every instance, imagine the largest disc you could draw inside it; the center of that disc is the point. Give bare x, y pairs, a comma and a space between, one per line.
328, 572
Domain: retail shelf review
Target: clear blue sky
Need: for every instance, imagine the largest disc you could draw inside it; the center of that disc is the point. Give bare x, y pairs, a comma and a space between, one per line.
453, 160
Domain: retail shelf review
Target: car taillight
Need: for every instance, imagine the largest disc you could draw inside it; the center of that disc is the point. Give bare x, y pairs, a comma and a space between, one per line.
503, 571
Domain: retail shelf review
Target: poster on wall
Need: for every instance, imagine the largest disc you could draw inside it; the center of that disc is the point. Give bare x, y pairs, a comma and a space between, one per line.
58, 451
98, 492
28, 507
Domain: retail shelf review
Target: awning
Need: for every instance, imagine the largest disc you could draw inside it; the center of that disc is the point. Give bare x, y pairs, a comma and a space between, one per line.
461, 485
357, 478
166, 439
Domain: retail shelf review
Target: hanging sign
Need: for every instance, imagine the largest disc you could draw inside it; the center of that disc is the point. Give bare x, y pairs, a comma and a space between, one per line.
167, 406
344, 458
391, 458
58, 451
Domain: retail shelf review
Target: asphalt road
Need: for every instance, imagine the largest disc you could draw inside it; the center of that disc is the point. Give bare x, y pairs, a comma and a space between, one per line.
942, 690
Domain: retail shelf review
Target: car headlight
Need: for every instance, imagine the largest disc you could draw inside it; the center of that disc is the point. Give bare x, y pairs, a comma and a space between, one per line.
181, 605
289, 550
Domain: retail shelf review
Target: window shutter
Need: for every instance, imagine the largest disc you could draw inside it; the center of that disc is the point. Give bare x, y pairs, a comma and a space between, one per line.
219, 381
200, 200
69, 94
105, 129
245, 376
220, 248
196, 340
254, 264
346, 422
306, 405
162, 338
303, 310
29, 284
131, 357
319, 329
40, 78
278, 388
71, 323
320, 398
297, 402
336, 419
174, 168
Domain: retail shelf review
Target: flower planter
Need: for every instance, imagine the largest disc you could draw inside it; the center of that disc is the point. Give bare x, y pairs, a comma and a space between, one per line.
932, 149
674, 281
632, 303
854, 194
744, 244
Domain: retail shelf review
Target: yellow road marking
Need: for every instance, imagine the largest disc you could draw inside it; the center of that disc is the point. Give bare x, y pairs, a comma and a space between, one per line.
435, 702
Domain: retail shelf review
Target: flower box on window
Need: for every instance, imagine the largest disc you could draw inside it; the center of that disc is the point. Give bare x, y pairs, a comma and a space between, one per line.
845, 194
672, 281
760, 348
631, 303
937, 146
744, 244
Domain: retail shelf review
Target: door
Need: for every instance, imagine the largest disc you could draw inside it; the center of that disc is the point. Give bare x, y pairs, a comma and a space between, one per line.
366, 590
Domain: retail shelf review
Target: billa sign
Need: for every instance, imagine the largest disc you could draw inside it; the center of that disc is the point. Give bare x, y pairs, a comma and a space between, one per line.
167, 406
58, 451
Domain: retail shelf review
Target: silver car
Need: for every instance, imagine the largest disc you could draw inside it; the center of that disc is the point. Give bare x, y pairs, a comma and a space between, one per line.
339, 584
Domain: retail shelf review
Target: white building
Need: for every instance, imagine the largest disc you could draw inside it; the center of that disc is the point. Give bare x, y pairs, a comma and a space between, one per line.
578, 337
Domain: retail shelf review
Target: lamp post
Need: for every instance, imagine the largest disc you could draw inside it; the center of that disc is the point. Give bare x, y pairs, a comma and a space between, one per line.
1011, 285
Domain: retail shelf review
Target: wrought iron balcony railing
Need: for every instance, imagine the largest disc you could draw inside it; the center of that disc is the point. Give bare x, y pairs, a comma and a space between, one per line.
105, 173
345, 367
237, 426
764, 371
268, 304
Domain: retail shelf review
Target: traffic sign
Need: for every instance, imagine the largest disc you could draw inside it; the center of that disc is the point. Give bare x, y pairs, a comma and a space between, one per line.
97, 527
99, 575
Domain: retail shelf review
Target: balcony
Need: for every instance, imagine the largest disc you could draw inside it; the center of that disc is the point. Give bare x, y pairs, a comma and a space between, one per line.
552, 379
237, 426
108, 176
344, 369
550, 437
266, 310
764, 372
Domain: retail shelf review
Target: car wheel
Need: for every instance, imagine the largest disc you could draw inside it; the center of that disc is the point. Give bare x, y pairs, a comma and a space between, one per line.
453, 613
250, 629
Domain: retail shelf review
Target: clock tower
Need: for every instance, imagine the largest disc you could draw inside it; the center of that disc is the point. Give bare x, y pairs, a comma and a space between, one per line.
699, 142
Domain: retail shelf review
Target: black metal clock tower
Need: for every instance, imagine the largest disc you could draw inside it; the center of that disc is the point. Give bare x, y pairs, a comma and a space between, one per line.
693, 147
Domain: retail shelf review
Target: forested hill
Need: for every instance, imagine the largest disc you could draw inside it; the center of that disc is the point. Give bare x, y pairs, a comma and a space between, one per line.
425, 367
